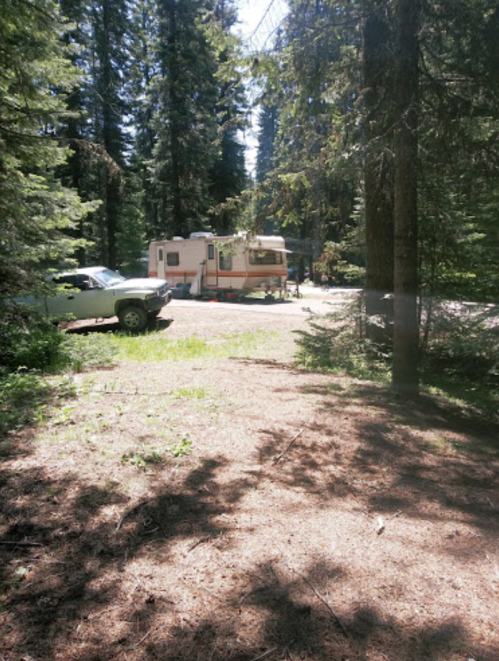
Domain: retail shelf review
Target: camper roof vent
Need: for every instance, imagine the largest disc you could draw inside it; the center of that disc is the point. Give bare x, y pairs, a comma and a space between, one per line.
178, 238
199, 235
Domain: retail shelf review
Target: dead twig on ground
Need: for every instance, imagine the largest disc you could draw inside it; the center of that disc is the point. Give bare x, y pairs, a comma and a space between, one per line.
6, 542
262, 656
336, 618
141, 640
202, 540
130, 511
279, 456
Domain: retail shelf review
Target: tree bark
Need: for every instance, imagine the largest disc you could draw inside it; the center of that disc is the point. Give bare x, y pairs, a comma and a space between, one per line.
378, 174
405, 373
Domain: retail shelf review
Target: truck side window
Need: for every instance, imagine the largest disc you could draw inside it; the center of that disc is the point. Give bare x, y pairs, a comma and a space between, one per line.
225, 262
172, 259
211, 251
70, 280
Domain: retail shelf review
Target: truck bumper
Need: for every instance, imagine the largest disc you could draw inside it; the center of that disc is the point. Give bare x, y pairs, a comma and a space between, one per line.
159, 302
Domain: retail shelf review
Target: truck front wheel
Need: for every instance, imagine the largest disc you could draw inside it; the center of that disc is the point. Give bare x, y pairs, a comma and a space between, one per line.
132, 318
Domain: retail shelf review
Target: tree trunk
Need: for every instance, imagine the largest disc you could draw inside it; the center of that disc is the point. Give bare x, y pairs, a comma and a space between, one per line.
178, 220
378, 175
405, 374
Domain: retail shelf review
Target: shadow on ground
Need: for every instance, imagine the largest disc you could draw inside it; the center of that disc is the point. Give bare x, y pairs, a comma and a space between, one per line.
109, 326
74, 558
413, 456
64, 554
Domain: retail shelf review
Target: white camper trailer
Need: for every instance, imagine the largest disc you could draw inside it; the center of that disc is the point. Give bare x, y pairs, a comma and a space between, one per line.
218, 265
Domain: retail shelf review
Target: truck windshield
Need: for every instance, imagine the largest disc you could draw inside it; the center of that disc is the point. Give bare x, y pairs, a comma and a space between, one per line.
108, 278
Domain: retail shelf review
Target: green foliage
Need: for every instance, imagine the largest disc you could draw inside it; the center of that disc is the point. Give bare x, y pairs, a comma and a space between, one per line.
23, 397
81, 352
192, 392
462, 355
183, 448
185, 92
155, 346
459, 353
34, 208
307, 185
28, 340
336, 343
143, 460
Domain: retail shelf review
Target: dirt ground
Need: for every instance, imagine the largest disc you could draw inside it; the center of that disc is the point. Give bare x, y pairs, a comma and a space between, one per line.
294, 516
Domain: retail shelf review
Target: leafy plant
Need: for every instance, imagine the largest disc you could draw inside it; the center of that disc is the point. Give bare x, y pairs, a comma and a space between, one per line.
461, 353
335, 343
23, 397
143, 460
28, 340
88, 351
183, 448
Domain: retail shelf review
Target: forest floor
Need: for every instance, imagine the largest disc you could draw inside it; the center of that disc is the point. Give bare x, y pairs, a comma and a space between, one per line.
242, 509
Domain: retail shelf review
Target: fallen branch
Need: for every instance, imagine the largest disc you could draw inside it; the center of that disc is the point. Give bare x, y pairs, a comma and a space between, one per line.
279, 456
262, 656
130, 511
324, 601
25, 543
134, 647
202, 540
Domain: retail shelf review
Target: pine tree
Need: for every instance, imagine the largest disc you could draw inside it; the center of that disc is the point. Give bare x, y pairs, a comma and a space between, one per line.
405, 375
228, 174
35, 209
110, 61
378, 168
184, 121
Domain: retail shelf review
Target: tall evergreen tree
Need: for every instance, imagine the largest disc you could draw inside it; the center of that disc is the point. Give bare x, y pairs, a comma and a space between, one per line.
110, 63
35, 209
405, 375
378, 120
228, 174
311, 198
185, 119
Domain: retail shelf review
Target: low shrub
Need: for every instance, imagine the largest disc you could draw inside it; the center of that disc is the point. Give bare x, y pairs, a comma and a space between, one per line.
336, 343
28, 340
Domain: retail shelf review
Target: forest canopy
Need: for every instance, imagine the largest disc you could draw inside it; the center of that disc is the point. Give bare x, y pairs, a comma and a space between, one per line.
122, 121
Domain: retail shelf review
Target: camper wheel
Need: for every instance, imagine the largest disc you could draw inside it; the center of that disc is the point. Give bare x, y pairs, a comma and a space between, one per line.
133, 318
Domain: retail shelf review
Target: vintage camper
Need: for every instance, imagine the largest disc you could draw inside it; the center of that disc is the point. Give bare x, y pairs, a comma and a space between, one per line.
218, 265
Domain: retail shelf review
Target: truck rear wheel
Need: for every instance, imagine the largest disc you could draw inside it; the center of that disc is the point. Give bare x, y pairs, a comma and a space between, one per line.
132, 318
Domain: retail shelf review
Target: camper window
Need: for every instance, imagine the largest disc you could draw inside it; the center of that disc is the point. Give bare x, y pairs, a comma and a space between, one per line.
265, 257
172, 259
211, 251
225, 262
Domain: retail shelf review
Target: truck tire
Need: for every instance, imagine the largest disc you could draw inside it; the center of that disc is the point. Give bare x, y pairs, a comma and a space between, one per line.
132, 318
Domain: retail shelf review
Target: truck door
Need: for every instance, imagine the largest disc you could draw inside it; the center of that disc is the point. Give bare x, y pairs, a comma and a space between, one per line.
211, 266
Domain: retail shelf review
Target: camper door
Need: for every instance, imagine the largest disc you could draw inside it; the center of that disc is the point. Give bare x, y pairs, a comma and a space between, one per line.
160, 261
211, 266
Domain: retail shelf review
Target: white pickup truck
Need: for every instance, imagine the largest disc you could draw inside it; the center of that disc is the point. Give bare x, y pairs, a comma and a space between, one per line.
98, 292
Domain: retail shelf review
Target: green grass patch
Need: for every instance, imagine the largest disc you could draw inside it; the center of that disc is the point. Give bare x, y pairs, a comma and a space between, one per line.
143, 460
24, 398
156, 347
189, 392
